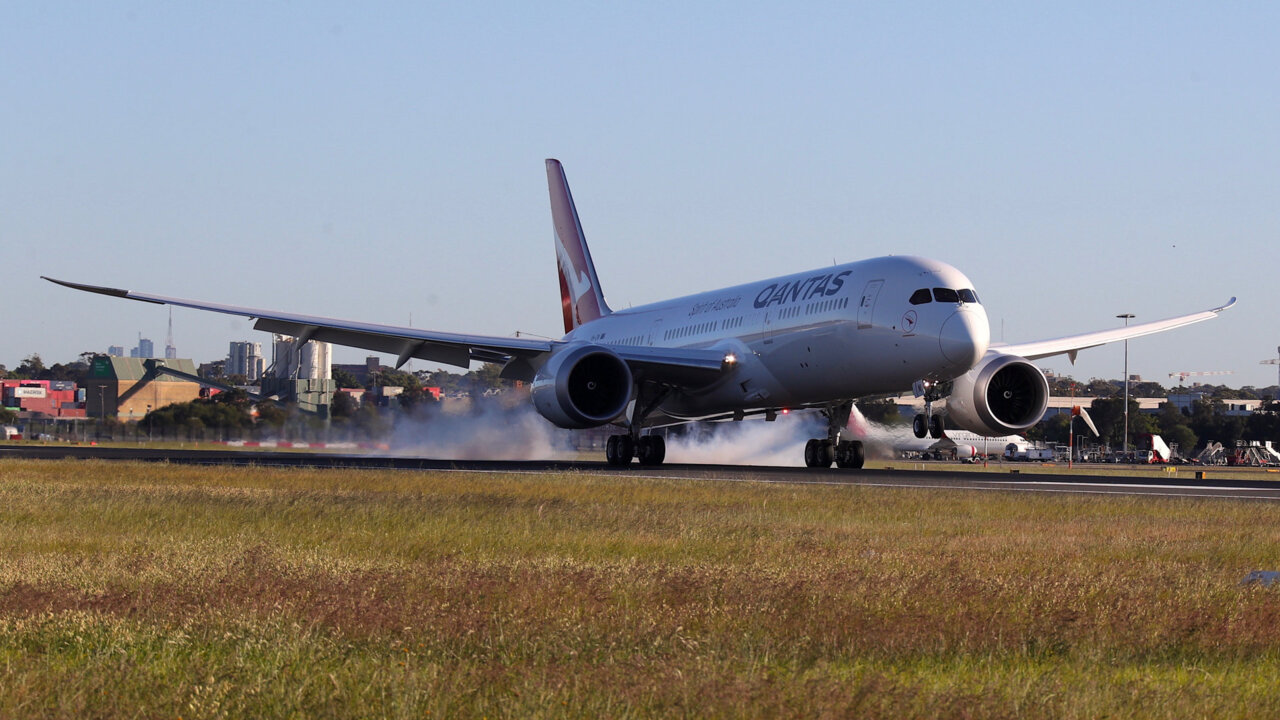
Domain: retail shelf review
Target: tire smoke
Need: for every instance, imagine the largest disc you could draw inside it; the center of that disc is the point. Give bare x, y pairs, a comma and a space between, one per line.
487, 431
750, 442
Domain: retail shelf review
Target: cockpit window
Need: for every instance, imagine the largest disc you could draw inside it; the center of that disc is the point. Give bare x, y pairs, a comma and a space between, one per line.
920, 296
968, 296
946, 295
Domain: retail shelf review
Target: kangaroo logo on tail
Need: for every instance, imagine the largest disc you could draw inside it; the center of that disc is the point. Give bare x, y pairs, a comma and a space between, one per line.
580, 296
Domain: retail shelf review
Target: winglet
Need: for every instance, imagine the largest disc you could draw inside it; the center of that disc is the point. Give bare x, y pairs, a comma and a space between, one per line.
581, 298
113, 292
1230, 302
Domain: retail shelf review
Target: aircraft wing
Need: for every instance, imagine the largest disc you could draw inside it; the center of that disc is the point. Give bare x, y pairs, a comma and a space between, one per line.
678, 366
1073, 344
403, 342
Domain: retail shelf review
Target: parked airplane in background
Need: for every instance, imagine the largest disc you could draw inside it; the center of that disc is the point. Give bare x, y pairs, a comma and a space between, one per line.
819, 340
894, 440
964, 444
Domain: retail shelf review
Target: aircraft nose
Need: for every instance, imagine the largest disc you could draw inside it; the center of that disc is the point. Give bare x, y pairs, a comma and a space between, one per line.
964, 337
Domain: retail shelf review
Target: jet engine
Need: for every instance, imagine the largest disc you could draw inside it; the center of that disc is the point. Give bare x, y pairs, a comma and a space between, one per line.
582, 386
1001, 395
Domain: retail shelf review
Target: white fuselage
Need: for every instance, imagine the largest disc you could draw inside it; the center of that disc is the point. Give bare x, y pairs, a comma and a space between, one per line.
966, 444
813, 338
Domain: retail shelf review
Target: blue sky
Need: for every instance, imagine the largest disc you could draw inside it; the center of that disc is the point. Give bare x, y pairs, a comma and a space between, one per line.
384, 162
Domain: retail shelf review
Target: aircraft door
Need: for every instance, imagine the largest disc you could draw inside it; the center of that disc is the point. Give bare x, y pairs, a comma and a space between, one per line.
655, 334
868, 304
768, 327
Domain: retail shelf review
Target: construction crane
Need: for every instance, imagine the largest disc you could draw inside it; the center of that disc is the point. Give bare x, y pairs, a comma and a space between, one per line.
1272, 361
1182, 376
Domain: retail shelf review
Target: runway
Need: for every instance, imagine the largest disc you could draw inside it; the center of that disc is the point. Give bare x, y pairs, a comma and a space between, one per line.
941, 477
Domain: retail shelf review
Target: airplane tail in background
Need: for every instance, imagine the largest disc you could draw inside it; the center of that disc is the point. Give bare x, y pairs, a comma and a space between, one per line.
580, 295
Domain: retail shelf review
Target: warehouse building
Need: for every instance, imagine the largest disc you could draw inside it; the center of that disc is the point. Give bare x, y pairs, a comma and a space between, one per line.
129, 388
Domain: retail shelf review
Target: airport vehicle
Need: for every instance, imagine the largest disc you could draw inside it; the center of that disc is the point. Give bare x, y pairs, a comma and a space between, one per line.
1152, 449
1029, 454
818, 340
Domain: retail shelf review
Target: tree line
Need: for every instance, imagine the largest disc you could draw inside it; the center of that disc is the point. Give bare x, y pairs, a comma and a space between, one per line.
1206, 420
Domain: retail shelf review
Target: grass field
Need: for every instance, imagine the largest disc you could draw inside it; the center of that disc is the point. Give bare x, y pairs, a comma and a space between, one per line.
139, 590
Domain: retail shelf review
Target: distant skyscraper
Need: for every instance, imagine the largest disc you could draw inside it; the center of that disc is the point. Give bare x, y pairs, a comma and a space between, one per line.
145, 349
116, 351
245, 358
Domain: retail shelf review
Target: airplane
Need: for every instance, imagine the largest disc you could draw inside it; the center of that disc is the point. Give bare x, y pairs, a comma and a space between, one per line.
815, 340
963, 444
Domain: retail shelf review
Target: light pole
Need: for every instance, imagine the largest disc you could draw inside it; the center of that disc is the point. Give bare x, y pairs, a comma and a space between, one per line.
1125, 444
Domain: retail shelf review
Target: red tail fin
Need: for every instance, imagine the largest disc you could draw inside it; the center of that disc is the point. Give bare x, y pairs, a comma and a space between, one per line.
580, 296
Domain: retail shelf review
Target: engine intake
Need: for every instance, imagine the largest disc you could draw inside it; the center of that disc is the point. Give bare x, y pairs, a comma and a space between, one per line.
582, 386
1001, 395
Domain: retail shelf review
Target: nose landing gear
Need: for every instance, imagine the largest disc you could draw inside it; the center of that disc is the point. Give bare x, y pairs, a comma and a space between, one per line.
927, 423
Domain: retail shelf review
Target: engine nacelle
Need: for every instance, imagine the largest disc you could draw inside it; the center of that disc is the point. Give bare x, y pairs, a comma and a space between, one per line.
582, 386
1001, 395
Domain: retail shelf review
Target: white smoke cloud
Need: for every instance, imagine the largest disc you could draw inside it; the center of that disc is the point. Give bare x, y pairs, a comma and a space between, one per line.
495, 430
490, 430
878, 441
750, 442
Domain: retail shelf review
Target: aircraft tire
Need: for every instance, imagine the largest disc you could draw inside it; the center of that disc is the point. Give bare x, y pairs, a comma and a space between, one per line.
818, 453
849, 455
918, 426
935, 427
618, 451
652, 450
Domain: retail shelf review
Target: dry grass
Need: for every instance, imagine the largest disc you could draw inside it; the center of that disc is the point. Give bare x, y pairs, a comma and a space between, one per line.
133, 590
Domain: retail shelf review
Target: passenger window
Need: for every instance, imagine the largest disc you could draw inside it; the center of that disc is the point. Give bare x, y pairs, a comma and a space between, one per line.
946, 295
968, 296
920, 296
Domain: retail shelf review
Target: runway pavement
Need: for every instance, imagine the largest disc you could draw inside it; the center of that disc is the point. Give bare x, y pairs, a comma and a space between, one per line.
940, 476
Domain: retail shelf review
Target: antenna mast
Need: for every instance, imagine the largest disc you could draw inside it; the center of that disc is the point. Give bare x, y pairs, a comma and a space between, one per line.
170, 352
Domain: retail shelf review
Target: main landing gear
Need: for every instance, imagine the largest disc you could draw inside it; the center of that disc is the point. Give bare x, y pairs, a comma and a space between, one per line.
821, 452
927, 423
648, 449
